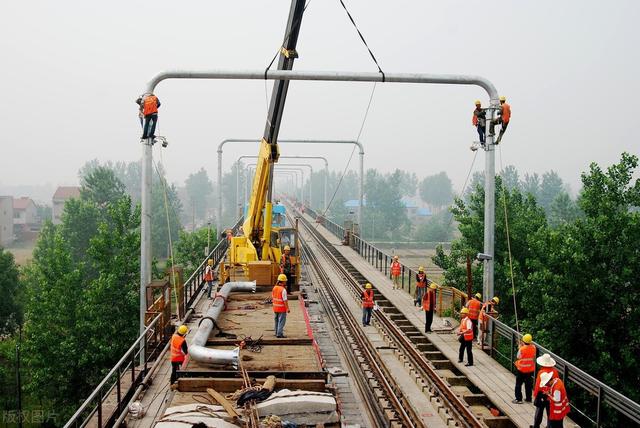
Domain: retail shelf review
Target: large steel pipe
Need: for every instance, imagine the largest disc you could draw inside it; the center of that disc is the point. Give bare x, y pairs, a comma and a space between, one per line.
198, 350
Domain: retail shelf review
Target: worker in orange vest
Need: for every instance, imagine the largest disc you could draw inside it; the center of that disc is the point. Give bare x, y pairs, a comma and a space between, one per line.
479, 121
474, 305
540, 390
488, 309
465, 337
149, 104
280, 304
367, 304
429, 306
286, 267
421, 285
396, 270
558, 401
208, 277
525, 365
504, 116
179, 351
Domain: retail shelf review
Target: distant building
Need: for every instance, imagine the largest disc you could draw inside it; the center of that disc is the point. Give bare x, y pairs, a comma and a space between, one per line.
6, 220
63, 194
25, 214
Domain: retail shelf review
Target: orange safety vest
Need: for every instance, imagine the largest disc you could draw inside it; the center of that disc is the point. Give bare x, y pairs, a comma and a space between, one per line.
506, 112
367, 299
395, 268
466, 328
208, 273
558, 409
487, 307
537, 388
177, 355
149, 105
526, 359
276, 297
285, 264
474, 307
421, 280
429, 300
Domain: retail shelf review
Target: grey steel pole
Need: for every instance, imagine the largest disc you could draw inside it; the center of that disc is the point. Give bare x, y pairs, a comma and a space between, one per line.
145, 228
361, 196
237, 185
446, 79
310, 195
219, 219
280, 167
489, 213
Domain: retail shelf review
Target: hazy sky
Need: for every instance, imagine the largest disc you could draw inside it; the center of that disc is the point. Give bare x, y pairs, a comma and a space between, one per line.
71, 71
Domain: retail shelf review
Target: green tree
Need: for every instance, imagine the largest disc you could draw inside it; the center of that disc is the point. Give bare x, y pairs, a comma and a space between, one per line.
199, 188
438, 228
563, 210
11, 302
437, 190
384, 209
408, 183
101, 186
511, 178
531, 185
189, 251
551, 187
160, 209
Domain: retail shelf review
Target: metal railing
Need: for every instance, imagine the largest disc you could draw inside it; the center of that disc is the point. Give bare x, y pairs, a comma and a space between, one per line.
575, 378
93, 409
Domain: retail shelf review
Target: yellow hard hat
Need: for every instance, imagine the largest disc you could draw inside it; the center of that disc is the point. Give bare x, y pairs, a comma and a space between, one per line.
282, 278
421, 269
210, 262
503, 98
464, 311
527, 338
478, 296
182, 330
433, 285
478, 102
496, 299
286, 247
368, 285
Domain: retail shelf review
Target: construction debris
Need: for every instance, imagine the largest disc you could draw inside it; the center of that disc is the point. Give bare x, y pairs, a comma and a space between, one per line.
301, 407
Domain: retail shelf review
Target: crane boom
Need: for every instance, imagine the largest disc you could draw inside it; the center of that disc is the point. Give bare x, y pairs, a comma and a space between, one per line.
257, 224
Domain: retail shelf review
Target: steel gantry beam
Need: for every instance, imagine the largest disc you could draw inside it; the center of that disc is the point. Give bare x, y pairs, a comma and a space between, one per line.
326, 174
335, 76
291, 141
282, 167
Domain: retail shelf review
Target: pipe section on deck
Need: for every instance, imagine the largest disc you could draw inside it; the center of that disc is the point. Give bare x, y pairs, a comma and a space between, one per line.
197, 349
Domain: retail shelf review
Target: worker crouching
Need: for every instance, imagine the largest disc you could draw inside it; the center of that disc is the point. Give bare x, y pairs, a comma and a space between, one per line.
465, 337
367, 304
179, 351
280, 305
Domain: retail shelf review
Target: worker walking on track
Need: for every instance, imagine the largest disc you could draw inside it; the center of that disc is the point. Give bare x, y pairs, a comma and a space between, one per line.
149, 104
479, 121
557, 398
421, 285
280, 304
396, 270
474, 305
286, 267
367, 304
465, 337
488, 309
429, 306
179, 351
208, 277
540, 397
504, 115
525, 365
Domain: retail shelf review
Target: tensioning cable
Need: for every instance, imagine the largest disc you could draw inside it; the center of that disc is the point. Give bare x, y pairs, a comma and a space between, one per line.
506, 225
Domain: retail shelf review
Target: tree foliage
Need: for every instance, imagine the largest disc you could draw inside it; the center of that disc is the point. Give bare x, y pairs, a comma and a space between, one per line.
384, 207
82, 301
11, 301
190, 249
199, 188
437, 190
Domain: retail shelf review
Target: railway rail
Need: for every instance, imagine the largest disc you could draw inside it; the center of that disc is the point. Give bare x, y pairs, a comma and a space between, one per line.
470, 410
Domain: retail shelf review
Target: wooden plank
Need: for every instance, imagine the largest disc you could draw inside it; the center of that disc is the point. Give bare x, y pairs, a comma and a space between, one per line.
223, 402
295, 341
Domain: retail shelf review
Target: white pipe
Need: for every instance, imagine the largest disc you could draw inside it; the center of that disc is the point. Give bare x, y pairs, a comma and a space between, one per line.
198, 350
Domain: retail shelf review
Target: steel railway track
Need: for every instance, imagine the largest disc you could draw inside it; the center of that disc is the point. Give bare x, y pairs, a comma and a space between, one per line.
423, 357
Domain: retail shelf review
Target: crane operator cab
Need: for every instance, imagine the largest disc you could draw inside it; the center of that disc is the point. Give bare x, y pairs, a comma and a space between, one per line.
284, 244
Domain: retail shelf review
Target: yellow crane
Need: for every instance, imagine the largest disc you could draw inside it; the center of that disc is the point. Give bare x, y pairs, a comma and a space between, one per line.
259, 248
